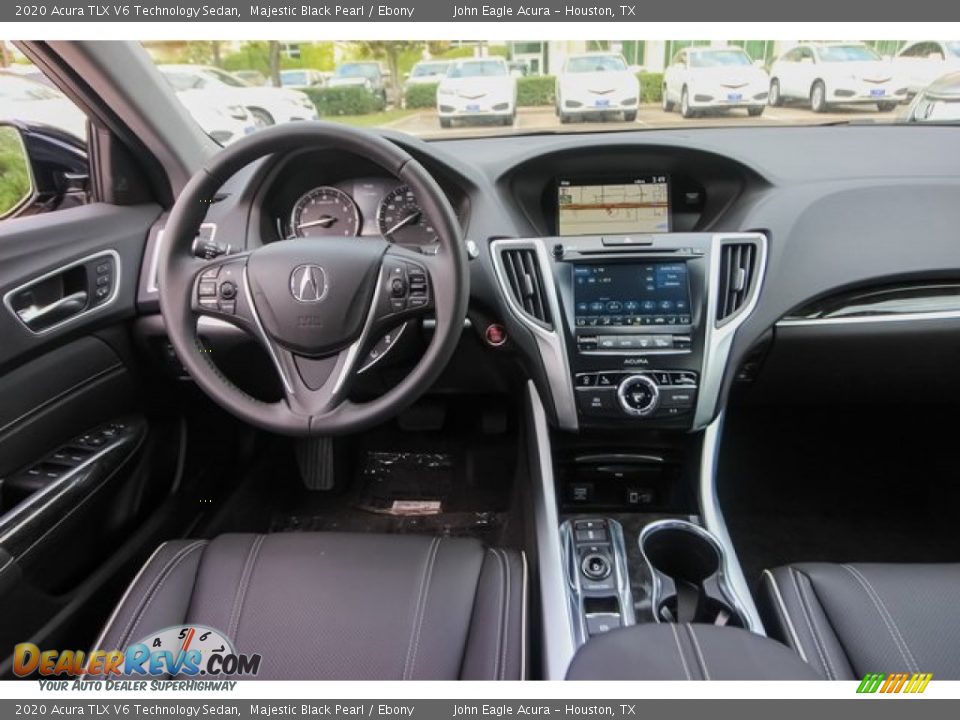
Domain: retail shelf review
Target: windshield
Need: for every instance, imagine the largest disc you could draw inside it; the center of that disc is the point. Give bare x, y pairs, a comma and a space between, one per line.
293, 77
429, 70
596, 63
846, 53
457, 88
357, 70
477, 68
718, 58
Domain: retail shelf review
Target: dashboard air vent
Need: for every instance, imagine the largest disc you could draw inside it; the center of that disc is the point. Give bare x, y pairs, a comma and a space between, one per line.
738, 265
526, 281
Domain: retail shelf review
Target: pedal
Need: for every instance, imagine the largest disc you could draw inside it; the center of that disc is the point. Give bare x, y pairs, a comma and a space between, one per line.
315, 461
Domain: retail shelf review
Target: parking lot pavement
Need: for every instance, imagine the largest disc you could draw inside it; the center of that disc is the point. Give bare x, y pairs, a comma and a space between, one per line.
650, 116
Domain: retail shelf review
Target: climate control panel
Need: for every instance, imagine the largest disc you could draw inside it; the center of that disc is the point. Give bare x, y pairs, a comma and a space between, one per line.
649, 394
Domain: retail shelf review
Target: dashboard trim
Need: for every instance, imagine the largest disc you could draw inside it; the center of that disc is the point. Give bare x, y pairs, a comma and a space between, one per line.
869, 319
718, 338
551, 344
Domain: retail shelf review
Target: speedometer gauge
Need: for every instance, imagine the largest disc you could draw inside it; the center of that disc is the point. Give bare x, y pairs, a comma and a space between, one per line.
401, 220
325, 211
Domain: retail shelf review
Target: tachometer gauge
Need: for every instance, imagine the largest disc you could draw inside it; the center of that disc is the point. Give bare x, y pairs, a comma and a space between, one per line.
325, 211
401, 220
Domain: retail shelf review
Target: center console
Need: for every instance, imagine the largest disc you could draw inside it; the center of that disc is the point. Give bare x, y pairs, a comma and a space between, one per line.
633, 330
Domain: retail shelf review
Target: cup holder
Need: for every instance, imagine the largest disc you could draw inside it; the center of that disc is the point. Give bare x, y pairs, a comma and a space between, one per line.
686, 567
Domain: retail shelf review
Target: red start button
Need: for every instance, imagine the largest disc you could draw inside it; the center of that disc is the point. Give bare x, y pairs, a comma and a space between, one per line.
496, 335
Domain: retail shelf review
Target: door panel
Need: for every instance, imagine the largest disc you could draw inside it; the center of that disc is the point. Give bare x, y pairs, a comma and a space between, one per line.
81, 468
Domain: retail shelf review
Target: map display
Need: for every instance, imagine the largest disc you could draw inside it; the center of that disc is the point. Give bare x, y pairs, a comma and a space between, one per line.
641, 206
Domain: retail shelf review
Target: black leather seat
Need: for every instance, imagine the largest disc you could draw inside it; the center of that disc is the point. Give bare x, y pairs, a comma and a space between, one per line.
340, 605
665, 651
850, 620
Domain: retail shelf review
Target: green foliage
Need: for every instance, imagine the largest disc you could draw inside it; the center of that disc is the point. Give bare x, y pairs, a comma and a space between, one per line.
14, 173
254, 55
336, 101
537, 90
420, 96
651, 87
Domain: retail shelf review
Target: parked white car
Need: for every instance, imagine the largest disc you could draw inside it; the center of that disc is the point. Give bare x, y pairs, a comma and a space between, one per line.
598, 85
224, 123
920, 63
33, 102
302, 78
267, 105
477, 88
714, 78
835, 73
939, 102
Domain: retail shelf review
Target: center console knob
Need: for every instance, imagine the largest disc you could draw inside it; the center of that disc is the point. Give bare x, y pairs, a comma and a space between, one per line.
638, 395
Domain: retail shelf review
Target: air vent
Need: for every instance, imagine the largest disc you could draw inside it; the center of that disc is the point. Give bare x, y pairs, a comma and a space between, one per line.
526, 281
738, 264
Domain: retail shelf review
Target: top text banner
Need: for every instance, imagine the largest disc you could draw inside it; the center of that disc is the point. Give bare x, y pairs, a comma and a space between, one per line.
484, 11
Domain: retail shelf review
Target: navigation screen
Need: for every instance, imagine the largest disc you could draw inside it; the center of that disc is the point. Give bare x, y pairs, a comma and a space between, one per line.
639, 206
619, 295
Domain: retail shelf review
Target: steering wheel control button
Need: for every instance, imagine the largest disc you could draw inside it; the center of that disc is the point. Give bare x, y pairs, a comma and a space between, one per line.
398, 288
228, 291
638, 396
210, 273
595, 566
495, 335
207, 288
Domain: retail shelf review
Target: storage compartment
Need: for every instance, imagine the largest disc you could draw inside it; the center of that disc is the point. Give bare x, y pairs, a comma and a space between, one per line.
686, 566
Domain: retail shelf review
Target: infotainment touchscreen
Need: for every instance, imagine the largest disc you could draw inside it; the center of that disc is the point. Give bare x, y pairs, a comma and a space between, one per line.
638, 205
627, 294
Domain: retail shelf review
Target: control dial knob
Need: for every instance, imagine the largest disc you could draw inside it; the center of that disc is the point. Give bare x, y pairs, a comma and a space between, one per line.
638, 395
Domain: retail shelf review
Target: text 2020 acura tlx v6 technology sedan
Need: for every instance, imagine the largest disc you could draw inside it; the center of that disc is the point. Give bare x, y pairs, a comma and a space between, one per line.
634, 405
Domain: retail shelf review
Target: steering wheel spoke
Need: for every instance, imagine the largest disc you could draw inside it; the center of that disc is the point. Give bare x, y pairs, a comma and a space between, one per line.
315, 387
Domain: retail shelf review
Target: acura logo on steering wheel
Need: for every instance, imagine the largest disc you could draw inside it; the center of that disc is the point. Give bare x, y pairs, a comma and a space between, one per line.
308, 283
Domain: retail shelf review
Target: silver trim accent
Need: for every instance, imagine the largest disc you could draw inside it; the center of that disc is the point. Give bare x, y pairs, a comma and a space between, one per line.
557, 633
264, 338
351, 354
152, 279
62, 269
523, 615
724, 580
718, 338
551, 343
401, 328
714, 523
430, 323
575, 595
870, 319
627, 407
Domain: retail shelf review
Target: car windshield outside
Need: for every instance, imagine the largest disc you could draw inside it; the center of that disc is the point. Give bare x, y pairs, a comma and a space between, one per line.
357, 70
448, 89
429, 69
718, 58
596, 63
477, 69
847, 53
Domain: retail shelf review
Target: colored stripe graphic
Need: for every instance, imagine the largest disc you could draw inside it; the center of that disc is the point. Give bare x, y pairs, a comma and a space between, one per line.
893, 683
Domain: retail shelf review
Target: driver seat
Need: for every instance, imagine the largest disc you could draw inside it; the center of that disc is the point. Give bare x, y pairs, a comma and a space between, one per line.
339, 606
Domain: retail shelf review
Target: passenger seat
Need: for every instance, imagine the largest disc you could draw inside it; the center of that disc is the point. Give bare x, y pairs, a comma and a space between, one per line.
853, 619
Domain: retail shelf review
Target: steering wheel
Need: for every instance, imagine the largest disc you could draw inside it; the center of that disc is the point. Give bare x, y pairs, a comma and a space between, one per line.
314, 304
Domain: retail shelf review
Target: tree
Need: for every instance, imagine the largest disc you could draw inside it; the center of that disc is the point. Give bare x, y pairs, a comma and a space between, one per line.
390, 51
274, 62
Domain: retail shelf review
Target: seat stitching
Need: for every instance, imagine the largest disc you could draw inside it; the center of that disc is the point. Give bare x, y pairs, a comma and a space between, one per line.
422, 609
696, 646
416, 609
506, 616
782, 611
887, 618
497, 652
241, 595
157, 583
816, 640
683, 659
816, 628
